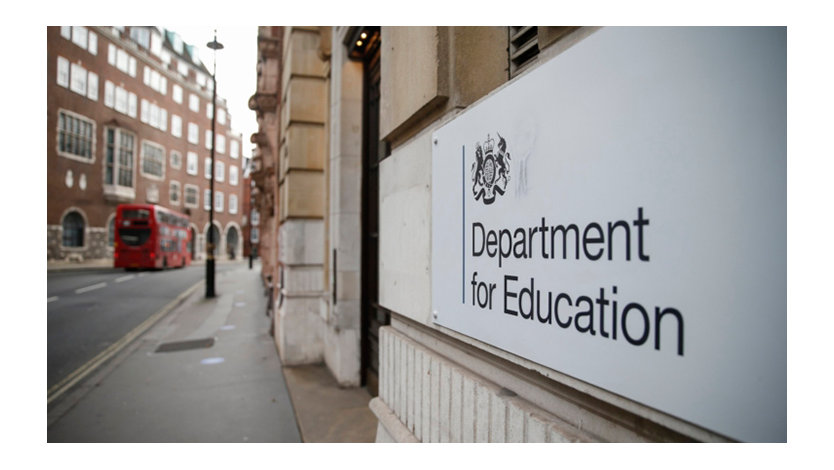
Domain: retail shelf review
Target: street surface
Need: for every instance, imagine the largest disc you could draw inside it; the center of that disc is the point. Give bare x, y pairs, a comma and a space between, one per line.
171, 385
87, 311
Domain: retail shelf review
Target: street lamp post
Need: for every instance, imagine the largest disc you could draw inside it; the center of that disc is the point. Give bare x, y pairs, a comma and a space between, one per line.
214, 45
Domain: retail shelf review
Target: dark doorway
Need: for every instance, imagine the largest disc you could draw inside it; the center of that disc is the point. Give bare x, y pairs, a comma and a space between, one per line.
231, 242
365, 45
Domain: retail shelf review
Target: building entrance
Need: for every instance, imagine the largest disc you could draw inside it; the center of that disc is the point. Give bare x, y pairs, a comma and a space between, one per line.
366, 45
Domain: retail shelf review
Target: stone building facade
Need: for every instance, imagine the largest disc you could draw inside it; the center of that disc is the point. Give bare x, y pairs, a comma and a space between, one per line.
129, 121
347, 117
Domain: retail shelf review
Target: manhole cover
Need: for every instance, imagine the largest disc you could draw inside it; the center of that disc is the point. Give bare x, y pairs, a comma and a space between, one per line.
186, 345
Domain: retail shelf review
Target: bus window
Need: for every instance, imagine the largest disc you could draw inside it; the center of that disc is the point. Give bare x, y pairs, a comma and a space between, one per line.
135, 214
134, 236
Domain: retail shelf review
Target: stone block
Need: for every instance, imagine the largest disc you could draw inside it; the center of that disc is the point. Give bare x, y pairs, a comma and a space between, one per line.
477, 67
303, 56
303, 279
409, 82
305, 147
405, 230
303, 193
302, 242
299, 331
342, 355
306, 99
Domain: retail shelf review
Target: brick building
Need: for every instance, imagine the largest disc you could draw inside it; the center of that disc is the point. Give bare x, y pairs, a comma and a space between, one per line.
129, 112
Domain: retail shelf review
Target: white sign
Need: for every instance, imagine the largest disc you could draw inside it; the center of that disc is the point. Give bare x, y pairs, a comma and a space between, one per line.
619, 215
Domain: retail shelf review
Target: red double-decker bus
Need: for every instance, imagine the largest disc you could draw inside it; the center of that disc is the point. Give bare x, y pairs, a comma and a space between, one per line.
150, 236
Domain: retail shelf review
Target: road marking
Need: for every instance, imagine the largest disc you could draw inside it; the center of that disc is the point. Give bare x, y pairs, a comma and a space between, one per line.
125, 278
51, 299
89, 288
76, 376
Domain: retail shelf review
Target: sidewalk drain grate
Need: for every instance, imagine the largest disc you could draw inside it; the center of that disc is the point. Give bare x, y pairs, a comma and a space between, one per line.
185, 345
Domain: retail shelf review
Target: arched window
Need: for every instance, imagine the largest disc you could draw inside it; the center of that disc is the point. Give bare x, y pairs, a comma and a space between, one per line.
73, 226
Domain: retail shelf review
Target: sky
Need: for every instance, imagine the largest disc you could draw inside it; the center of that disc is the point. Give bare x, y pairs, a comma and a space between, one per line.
236, 70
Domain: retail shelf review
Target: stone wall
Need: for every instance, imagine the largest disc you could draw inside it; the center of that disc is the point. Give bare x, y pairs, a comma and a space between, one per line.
95, 245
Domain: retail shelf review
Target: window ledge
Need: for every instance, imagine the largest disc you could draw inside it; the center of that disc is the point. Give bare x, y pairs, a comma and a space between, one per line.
119, 193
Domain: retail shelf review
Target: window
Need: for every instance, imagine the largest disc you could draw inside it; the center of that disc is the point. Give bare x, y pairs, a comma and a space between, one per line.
92, 86
176, 125
156, 45
191, 163
177, 93
218, 201
221, 116
109, 94
176, 160
207, 199
208, 139
73, 230
193, 133
232, 204
207, 168
121, 100
176, 40
209, 109
194, 102
118, 161
155, 80
154, 116
79, 36
232, 176
75, 136
121, 60
153, 160
78, 79
92, 43
219, 171
141, 35
63, 72
66, 32
234, 148
190, 196
221, 143
174, 192
131, 105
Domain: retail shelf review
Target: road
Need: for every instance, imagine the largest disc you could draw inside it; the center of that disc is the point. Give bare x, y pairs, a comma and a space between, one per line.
87, 311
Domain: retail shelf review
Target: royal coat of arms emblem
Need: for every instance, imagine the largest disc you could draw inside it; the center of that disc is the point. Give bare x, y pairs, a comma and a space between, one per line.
491, 170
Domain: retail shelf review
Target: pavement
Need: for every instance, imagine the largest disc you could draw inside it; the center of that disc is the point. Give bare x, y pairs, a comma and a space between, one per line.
209, 371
